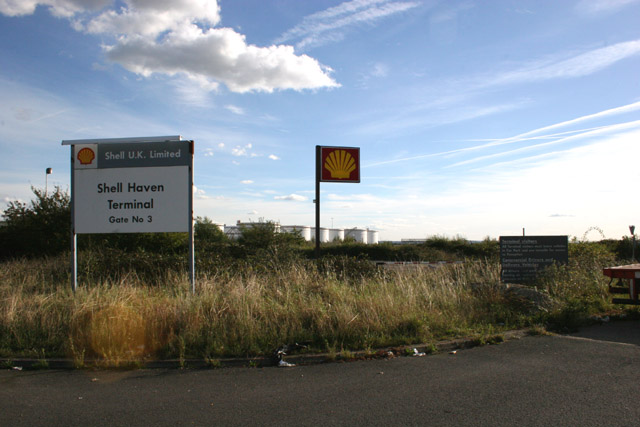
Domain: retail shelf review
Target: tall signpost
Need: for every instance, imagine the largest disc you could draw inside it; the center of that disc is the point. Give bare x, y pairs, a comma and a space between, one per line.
334, 164
131, 185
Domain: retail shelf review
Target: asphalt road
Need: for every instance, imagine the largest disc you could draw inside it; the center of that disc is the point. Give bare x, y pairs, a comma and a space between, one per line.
589, 379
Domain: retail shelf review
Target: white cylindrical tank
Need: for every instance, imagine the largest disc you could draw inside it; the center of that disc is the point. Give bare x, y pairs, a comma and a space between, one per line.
324, 234
303, 230
372, 237
336, 234
357, 233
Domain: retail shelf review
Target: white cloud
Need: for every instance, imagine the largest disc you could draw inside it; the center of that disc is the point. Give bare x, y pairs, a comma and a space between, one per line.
407, 119
598, 7
235, 110
380, 70
450, 13
199, 193
452, 104
274, 157
221, 55
292, 197
178, 38
246, 181
562, 136
208, 152
61, 8
150, 18
500, 199
241, 151
194, 91
577, 66
537, 134
586, 134
331, 24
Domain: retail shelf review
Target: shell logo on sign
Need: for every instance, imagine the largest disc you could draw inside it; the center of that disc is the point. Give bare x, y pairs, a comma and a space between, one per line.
86, 156
340, 164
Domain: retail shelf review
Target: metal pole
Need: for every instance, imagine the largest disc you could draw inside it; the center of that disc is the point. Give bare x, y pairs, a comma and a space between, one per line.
317, 199
192, 263
47, 172
74, 261
632, 229
74, 241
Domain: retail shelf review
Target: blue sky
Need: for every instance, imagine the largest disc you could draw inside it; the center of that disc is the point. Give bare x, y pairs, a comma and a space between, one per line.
474, 118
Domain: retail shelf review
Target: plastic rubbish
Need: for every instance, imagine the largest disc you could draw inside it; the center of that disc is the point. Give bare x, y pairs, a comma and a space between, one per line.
280, 352
416, 353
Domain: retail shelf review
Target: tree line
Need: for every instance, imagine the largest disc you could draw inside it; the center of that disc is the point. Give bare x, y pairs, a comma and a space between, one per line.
42, 227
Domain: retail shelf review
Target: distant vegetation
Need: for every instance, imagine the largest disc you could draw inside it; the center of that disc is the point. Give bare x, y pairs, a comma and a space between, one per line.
42, 227
265, 289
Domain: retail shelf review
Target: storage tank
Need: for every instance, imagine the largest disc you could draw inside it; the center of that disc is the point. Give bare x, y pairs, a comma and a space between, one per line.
357, 233
303, 230
336, 234
324, 234
372, 237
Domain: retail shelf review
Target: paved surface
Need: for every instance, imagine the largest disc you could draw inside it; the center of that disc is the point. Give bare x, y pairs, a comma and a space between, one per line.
589, 379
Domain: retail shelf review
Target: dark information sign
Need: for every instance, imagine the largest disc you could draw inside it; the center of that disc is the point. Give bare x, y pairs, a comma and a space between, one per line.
523, 257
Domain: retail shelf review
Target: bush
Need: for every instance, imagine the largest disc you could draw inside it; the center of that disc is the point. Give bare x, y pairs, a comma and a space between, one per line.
42, 227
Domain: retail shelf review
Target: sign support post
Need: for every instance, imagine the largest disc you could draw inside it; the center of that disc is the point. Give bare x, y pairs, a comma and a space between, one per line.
192, 262
74, 240
317, 199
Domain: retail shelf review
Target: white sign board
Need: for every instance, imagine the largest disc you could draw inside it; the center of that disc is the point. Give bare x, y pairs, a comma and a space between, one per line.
136, 187
133, 200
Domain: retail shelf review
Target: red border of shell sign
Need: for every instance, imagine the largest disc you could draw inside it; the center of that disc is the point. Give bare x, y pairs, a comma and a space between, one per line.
340, 164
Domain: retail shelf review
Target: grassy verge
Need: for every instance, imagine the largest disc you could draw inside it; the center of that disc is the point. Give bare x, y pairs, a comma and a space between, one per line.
247, 310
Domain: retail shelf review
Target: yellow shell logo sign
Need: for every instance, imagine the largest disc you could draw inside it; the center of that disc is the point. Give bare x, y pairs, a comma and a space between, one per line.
86, 156
340, 163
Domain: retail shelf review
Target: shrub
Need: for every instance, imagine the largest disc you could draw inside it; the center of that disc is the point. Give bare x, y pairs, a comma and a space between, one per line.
42, 227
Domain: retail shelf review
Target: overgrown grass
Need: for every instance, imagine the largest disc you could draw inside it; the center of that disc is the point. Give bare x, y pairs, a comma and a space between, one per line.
250, 308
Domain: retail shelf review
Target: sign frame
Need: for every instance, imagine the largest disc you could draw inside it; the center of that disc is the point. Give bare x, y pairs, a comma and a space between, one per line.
127, 179
339, 164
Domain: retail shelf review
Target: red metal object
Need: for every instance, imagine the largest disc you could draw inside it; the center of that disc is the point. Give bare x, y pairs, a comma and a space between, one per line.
629, 273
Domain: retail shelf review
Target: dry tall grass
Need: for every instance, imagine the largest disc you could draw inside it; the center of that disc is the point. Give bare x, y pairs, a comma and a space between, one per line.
241, 313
